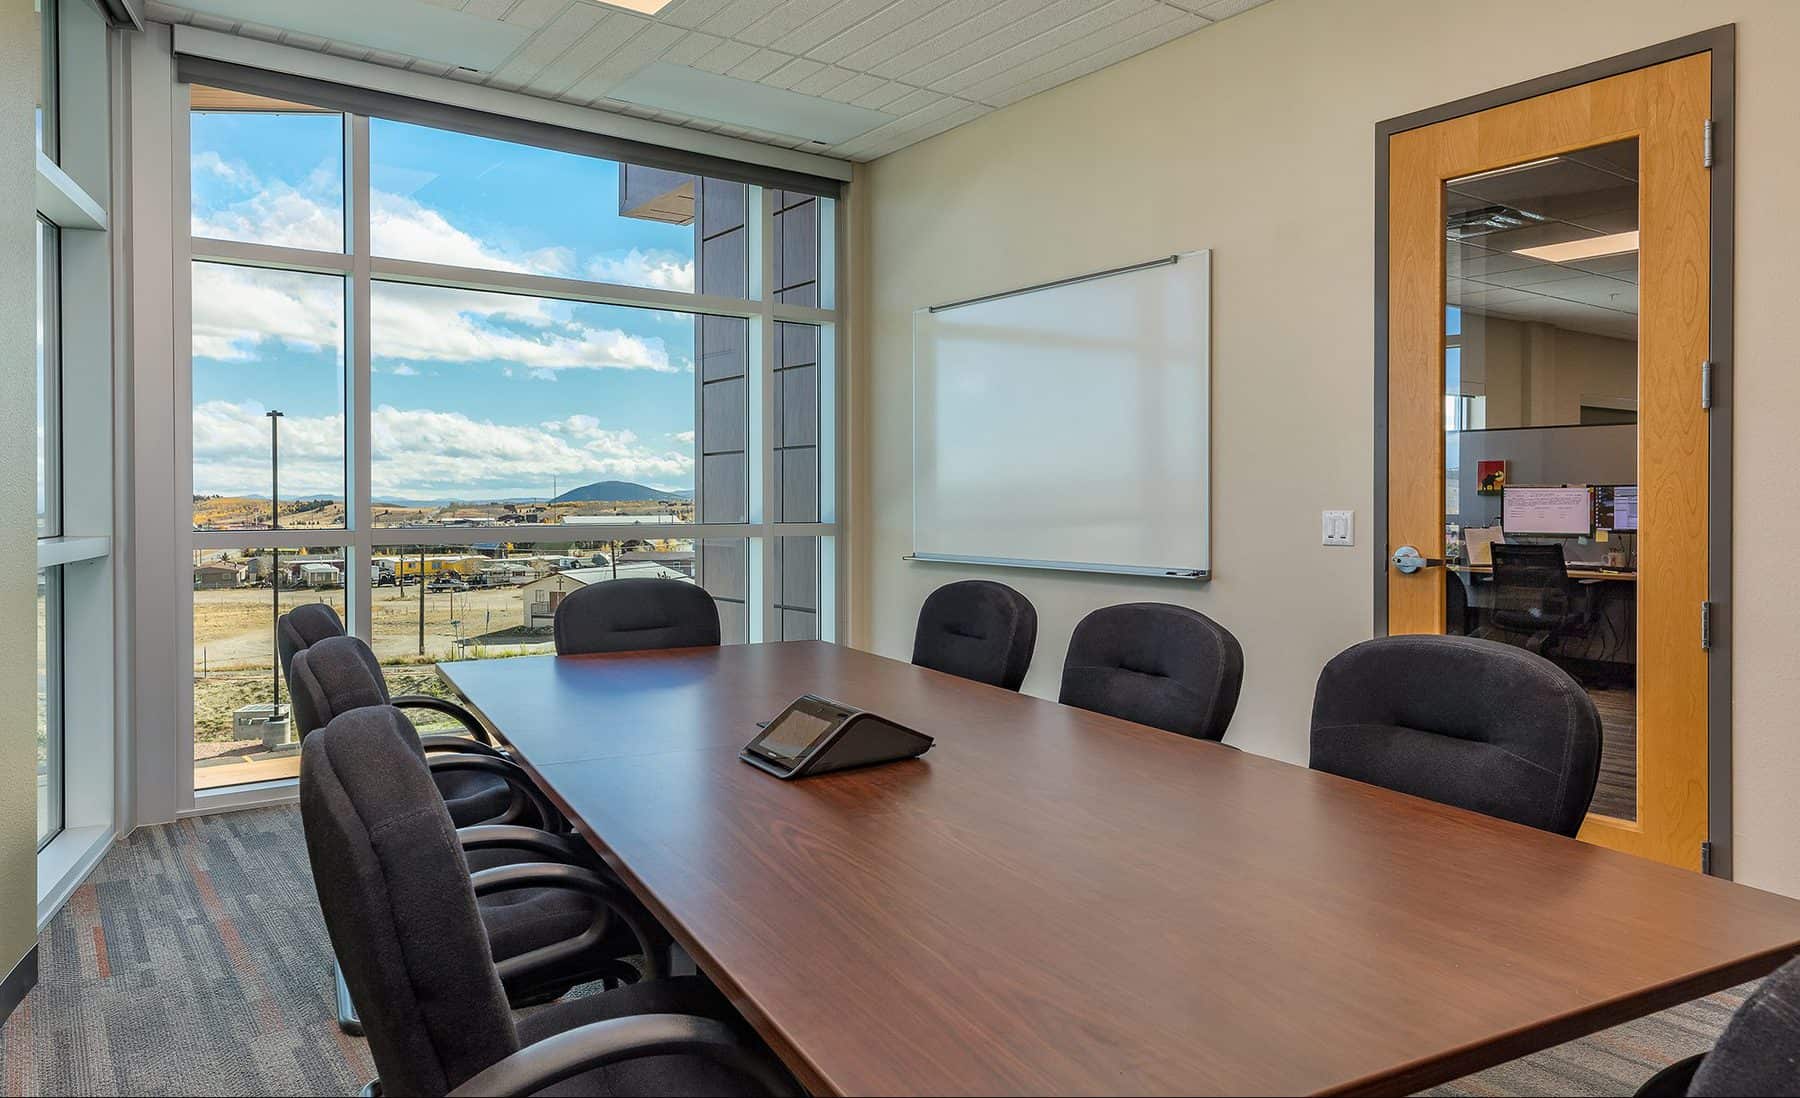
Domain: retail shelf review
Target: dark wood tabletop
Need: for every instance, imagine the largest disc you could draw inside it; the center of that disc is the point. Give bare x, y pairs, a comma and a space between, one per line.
1052, 901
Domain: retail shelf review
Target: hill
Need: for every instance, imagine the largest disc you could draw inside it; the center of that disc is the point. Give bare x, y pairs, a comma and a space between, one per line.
619, 491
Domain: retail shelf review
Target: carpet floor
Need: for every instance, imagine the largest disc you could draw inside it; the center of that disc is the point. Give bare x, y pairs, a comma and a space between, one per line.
194, 962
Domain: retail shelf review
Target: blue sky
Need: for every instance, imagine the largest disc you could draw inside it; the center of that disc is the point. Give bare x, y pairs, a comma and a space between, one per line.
473, 395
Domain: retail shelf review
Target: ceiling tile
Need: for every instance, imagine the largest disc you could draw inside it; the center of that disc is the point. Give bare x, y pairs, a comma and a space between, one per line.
933, 64
1082, 52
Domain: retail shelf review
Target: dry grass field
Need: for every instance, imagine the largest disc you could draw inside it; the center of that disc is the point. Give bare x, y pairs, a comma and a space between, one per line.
248, 512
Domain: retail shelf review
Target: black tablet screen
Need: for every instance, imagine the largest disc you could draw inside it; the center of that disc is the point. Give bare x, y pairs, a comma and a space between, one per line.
792, 733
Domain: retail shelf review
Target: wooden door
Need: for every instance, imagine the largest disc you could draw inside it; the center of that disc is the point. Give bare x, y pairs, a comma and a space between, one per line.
1646, 127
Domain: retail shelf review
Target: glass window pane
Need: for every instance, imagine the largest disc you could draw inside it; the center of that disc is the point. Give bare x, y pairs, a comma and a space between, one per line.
794, 495
454, 198
495, 408
49, 383
797, 589
265, 342
801, 260
1541, 426
47, 120
267, 176
242, 731
494, 599
49, 705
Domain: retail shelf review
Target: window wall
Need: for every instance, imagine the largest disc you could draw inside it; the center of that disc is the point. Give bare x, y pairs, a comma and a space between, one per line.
74, 635
464, 377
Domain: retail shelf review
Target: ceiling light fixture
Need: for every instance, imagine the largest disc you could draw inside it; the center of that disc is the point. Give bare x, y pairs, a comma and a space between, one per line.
1592, 247
643, 7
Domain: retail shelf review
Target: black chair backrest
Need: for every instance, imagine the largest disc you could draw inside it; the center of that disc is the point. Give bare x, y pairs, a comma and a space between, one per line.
330, 678
1759, 1052
1531, 584
302, 627
977, 629
1462, 721
1165, 666
632, 615
398, 905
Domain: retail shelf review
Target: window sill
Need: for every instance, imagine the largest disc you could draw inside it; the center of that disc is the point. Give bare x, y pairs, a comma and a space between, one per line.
256, 795
62, 201
52, 552
65, 863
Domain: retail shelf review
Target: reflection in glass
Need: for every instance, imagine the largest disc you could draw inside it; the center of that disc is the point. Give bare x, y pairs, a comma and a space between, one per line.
49, 705
268, 341
48, 116
242, 727
49, 383
1540, 415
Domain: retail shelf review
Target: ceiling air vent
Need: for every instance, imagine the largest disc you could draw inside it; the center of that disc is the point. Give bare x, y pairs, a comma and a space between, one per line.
1467, 224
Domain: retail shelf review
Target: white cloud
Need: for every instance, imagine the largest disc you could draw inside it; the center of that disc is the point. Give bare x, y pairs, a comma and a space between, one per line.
274, 212
685, 436
237, 308
430, 323
403, 370
658, 270
423, 454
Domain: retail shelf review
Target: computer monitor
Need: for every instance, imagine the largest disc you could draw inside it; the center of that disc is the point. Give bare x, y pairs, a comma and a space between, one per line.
1528, 511
1615, 507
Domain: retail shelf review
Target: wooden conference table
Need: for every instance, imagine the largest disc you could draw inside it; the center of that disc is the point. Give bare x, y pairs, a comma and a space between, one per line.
1053, 901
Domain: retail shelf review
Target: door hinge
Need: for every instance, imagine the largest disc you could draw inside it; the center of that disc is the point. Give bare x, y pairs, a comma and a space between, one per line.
1706, 140
1706, 625
1706, 384
1706, 857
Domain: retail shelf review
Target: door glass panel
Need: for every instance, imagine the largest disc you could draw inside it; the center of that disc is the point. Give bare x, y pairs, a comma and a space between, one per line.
1540, 419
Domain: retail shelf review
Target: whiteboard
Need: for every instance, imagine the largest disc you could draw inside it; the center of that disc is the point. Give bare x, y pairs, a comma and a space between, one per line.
1068, 426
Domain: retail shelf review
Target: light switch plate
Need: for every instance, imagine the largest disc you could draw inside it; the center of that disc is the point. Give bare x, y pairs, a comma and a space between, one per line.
1338, 527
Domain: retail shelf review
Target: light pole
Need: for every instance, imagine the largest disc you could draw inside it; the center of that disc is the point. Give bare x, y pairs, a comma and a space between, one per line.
275, 555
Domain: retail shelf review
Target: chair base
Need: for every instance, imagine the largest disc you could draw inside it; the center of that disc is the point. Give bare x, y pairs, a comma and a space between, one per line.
1672, 1081
347, 1019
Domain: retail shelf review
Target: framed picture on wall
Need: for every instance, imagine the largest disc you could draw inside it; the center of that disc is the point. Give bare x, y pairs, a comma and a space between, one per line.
1490, 477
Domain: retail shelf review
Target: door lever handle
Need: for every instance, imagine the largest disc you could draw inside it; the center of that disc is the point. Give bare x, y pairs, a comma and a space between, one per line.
1407, 560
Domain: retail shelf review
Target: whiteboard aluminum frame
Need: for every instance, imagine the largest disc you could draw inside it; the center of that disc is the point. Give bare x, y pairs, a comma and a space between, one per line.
1149, 571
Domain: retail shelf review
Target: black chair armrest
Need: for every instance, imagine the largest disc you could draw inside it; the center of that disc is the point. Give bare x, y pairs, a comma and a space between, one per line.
448, 708
597, 1044
613, 898
525, 793
448, 741
563, 848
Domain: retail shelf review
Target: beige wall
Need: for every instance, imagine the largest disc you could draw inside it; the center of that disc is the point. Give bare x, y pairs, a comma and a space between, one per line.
18, 484
1539, 374
1256, 138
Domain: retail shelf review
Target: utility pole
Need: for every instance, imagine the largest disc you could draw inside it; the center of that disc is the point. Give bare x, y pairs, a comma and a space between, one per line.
275, 556
421, 600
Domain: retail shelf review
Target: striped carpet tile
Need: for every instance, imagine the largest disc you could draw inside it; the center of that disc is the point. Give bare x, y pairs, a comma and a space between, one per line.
194, 962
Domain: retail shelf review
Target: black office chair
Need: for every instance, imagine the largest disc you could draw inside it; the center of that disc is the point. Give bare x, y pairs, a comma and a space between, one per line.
304, 626
1533, 597
632, 615
977, 629
403, 916
1165, 666
1759, 1052
301, 627
545, 940
338, 674
1463, 721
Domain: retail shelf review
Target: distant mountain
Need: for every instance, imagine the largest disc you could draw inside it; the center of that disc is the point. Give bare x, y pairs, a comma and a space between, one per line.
619, 491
